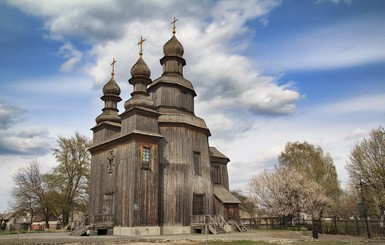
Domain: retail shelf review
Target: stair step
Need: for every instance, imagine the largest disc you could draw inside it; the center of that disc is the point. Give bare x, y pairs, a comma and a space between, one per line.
80, 230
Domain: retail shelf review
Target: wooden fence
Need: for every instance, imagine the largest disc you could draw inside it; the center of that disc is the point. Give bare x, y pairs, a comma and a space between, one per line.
356, 227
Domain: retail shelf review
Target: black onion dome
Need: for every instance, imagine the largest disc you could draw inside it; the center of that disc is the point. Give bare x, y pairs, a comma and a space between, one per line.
140, 69
111, 88
173, 48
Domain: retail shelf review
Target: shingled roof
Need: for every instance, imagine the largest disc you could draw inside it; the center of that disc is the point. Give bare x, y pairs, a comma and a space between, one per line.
224, 195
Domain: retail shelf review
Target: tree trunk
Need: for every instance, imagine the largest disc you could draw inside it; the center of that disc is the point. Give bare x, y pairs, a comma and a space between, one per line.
66, 216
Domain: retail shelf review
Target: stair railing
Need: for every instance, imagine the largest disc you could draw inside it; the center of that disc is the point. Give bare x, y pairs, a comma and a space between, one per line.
212, 221
222, 222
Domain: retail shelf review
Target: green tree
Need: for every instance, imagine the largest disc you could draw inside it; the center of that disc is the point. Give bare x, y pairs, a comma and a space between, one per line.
29, 192
247, 204
312, 162
367, 163
69, 181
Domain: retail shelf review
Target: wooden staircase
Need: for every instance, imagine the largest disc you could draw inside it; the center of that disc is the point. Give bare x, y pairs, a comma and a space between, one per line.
214, 224
81, 230
95, 224
240, 227
216, 229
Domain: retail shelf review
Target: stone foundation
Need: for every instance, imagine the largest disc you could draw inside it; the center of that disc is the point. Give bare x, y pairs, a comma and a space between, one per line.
137, 231
170, 230
151, 230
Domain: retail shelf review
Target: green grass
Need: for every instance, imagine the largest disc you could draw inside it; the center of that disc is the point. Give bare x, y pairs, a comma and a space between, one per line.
30, 231
290, 243
235, 243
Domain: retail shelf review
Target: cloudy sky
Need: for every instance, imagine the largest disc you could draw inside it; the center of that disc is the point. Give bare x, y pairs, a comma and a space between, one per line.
266, 72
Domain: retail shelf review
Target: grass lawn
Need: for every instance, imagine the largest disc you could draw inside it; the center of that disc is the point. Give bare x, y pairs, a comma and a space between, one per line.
291, 243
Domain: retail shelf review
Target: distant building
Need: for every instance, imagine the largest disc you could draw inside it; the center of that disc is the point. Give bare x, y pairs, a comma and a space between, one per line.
152, 169
39, 224
14, 221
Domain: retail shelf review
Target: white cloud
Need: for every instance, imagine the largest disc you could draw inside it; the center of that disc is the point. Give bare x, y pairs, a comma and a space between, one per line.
9, 115
346, 44
28, 142
358, 107
328, 126
212, 33
71, 54
349, 2
356, 134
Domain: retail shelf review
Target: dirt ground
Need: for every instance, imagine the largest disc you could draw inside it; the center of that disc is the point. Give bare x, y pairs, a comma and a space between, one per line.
271, 236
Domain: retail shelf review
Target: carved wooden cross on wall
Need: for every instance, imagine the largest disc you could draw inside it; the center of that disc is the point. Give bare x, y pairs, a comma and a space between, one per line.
110, 163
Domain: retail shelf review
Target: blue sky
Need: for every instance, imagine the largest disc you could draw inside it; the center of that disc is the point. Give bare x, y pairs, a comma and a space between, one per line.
266, 73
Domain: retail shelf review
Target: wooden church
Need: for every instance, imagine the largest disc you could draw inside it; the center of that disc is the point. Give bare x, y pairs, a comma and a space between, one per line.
152, 168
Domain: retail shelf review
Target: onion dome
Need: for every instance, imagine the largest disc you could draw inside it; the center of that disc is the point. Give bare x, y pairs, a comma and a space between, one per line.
140, 69
173, 47
111, 88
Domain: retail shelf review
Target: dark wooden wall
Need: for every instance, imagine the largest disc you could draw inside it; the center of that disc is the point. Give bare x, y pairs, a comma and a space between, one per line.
178, 180
137, 188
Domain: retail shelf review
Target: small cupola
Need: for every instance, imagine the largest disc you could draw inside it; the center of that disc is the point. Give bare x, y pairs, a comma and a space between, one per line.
173, 47
140, 79
173, 51
111, 97
140, 69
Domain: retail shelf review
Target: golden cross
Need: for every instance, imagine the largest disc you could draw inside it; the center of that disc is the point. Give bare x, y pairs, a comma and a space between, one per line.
141, 46
113, 66
174, 27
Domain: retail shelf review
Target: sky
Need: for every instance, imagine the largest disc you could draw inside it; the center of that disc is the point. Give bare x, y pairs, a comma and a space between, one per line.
266, 72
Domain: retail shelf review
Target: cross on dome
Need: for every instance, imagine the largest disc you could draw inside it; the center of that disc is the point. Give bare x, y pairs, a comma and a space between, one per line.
140, 43
174, 25
113, 66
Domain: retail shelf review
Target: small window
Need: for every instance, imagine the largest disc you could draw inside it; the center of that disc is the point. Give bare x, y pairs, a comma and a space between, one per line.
198, 204
146, 157
197, 163
217, 177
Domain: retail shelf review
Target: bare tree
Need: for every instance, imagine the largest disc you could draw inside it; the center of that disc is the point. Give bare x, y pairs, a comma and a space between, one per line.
29, 192
247, 204
284, 192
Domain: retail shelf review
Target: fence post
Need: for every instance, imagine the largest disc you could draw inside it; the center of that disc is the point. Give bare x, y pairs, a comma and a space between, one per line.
346, 227
267, 223
335, 224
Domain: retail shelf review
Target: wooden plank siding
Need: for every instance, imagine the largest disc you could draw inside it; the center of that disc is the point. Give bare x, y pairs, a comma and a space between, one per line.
170, 96
178, 180
137, 188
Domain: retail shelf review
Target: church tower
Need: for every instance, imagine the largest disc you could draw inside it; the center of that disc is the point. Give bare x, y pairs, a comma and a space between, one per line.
184, 160
103, 155
109, 122
137, 172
